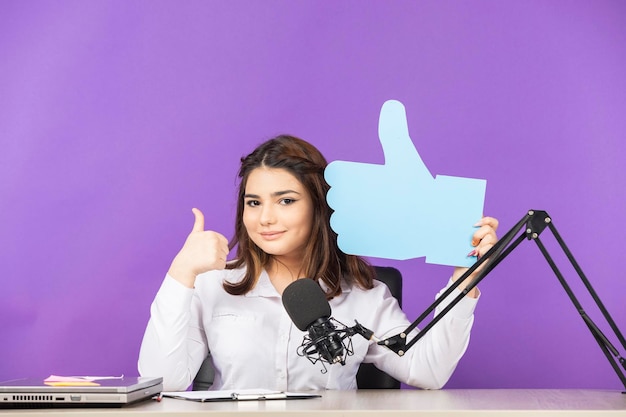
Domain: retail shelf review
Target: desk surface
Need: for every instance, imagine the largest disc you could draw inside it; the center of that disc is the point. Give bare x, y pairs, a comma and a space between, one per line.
452, 402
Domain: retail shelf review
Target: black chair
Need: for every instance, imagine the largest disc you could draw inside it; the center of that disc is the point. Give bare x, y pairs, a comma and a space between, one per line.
368, 376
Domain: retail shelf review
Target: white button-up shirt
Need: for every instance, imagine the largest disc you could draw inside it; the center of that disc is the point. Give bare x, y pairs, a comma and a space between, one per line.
254, 343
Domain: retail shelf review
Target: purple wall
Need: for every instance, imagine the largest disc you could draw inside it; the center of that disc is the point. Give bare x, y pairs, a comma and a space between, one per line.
117, 117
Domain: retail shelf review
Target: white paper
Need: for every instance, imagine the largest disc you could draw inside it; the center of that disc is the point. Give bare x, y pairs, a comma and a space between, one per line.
236, 395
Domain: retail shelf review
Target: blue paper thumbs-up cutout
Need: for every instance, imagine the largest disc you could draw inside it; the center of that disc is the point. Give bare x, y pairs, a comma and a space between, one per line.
398, 210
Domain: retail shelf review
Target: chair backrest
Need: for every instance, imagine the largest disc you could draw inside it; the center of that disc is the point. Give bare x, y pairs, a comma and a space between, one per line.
205, 376
368, 376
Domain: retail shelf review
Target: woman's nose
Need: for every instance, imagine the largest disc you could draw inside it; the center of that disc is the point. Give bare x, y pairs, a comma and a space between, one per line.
267, 215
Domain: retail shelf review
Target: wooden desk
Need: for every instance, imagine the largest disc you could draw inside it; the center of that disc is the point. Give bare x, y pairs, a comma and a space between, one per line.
503, 402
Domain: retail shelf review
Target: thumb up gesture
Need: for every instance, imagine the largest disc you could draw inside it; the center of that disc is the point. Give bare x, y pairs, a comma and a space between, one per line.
204, 250
398, 210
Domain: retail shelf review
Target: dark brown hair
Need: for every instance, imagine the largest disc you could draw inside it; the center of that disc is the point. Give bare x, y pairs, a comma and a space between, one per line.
322, 260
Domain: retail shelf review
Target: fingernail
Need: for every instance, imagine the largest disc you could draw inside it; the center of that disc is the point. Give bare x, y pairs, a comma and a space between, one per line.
472, 253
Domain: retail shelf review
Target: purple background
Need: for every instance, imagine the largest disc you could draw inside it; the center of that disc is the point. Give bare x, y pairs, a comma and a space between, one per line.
118, 117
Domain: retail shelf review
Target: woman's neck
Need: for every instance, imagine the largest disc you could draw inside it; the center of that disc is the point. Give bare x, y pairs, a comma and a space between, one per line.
282, 273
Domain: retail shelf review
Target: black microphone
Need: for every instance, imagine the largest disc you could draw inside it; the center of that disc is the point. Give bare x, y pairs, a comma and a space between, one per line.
309, 310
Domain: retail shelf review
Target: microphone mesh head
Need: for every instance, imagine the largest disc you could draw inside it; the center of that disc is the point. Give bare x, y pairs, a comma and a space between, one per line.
305, 302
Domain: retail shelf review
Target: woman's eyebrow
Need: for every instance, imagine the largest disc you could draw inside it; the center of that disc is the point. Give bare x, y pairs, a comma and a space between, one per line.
279, 193
274, 194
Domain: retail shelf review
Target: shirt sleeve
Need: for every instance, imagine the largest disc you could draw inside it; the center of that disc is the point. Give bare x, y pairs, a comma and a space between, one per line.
174, 344
430, 362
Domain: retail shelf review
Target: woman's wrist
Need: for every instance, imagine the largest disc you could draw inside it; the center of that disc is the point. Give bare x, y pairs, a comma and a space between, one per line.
182, 275
458, 273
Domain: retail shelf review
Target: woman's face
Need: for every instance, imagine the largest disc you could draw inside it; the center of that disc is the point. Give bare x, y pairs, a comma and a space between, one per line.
278, 213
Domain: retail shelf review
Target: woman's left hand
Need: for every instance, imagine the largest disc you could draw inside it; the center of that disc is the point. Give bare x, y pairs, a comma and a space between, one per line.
483, 239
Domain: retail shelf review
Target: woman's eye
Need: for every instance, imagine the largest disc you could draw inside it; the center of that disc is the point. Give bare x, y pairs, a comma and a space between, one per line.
252, 203
287, 201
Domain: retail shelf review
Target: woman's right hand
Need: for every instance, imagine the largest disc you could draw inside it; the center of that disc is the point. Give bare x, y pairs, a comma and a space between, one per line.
204, 250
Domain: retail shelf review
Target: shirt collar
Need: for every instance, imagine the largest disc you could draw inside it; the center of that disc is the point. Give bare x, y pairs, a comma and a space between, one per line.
264, 287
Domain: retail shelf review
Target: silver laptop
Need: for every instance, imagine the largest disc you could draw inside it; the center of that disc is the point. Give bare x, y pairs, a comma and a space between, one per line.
34, 393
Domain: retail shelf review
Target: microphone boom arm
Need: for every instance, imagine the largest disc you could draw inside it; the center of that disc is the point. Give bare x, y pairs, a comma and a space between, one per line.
529, 228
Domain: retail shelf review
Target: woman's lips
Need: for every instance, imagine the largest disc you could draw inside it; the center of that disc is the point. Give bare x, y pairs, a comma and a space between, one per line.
271, 235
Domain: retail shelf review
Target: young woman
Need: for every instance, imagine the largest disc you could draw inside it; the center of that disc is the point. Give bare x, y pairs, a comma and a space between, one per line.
234, 309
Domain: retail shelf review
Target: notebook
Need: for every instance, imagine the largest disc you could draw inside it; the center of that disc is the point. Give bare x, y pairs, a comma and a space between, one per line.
257, 394
112, 392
